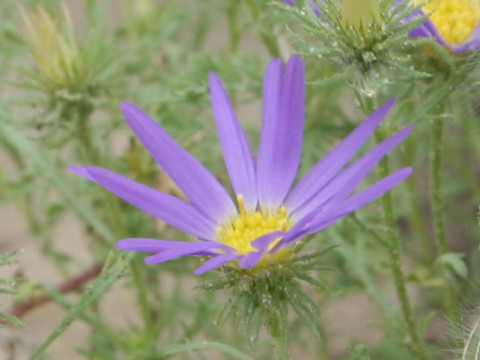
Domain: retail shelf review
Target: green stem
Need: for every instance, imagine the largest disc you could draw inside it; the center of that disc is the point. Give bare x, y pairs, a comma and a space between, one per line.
417, 215
142, 296
394, 254
84, 138
436, 186
281, 351
274, 328
436, 151
368, 104
372, 233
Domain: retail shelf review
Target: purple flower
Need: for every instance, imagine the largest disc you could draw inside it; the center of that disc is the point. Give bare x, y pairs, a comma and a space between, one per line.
269, 215
314, 6
454, 24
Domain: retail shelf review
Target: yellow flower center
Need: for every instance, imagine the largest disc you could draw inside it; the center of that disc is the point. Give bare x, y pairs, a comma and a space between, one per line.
454, 19
239, 232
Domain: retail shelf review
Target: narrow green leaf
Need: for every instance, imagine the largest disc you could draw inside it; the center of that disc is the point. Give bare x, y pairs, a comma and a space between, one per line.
452, 263
11, 319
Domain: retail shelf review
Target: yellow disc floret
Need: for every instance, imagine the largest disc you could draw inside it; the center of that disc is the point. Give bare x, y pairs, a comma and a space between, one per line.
455, 19
239, 232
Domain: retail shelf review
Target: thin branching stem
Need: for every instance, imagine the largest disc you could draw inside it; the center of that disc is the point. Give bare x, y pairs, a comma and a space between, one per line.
281, 350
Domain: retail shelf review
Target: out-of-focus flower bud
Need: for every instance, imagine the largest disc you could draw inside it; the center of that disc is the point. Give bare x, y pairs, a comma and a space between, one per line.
361, 16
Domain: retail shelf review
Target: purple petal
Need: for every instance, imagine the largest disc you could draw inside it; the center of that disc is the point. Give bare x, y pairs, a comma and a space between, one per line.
183, 248
344, 184
196, 182
236, 150
261, 244
154, 245
330, 165
215, 262
282, 130
82, 171
170, 209
352, 204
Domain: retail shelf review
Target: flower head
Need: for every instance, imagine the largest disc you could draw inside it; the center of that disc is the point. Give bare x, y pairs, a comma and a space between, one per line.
267, 215
453, 23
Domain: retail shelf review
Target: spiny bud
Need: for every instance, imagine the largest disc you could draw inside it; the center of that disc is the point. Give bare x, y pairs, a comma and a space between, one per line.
58, 61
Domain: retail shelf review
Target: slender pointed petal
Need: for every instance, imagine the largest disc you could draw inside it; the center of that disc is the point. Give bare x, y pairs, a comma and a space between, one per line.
215, 262
282, 131
157, 245
236, 150
146, 244
196, 182
182, 249
323, 220
170, 209
345, 183
261, 244
326, 169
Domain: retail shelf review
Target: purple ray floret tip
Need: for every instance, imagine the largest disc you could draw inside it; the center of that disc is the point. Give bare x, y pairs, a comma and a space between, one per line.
82, 171
126, 107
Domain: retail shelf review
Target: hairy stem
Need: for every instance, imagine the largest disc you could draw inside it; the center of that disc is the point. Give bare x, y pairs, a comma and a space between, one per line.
394, 254
436, 152
436, 186
281, 351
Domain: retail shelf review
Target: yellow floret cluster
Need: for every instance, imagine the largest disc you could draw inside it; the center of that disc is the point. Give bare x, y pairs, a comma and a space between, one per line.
239, 232
454, 19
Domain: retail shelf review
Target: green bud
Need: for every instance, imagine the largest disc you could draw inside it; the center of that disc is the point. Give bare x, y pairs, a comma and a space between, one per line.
361, 15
